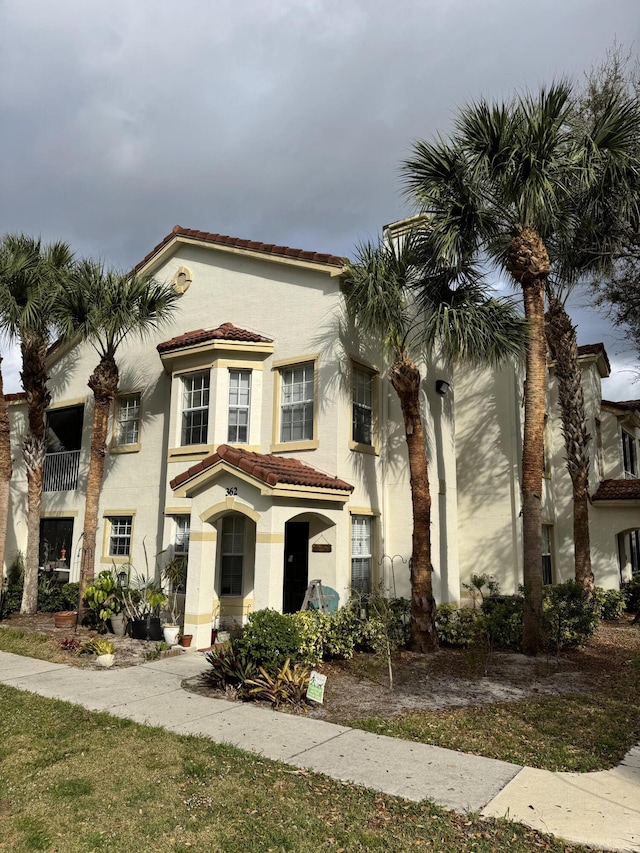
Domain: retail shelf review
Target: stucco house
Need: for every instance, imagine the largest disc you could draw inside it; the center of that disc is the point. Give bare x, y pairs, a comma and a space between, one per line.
258, 438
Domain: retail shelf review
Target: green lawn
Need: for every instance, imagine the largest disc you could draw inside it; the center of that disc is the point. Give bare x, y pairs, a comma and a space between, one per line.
578, 733
74, 781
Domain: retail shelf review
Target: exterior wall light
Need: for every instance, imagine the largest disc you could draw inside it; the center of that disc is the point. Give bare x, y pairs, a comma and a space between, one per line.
442, 387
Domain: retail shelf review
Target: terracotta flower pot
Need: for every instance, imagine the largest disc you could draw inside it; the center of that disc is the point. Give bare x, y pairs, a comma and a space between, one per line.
185, 640
65, 619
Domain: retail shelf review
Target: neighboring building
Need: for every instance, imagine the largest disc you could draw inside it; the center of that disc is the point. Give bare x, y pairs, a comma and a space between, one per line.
259, 440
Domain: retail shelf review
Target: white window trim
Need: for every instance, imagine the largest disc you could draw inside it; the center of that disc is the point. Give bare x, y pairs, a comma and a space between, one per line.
109, 516
633, 449
183, 409
133, 447
359, 446
238, 407
279, 367
361, 522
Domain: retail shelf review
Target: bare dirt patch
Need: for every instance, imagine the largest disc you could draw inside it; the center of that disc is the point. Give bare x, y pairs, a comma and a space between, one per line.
454, 678
128, 652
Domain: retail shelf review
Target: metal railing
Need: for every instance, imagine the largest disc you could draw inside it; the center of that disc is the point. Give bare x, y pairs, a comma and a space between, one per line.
61, 471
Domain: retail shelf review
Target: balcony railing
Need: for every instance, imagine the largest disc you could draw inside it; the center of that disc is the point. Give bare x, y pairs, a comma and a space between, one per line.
61, 471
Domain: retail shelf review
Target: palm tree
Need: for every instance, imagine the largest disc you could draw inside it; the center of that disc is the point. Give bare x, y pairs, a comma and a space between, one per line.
451, 323
6, 468
502, 191
32, 275
563, 347
104, 307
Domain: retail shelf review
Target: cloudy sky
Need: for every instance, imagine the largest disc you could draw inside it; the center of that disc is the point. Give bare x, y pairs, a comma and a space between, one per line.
276, 120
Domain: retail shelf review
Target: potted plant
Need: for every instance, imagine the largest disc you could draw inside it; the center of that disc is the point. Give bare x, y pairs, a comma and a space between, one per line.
175, 576
143, 605
105, 600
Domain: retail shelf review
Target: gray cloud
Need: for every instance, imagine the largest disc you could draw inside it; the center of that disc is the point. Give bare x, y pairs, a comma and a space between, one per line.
283, 121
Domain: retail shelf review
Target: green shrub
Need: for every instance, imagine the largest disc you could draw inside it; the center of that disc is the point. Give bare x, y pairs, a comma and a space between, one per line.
502, 617
612, 603
227, 667
569, 615
457, 626
269, 638
632, 595
104, 597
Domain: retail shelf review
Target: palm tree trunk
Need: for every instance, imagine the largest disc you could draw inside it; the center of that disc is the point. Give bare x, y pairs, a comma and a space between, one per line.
34, 381
405, 378
5, 469
561, 337
104, 384
528, 263
532, 467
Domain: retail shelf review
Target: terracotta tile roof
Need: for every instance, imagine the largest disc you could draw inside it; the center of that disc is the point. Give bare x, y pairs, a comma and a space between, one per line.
250, 245
595, 349
617, 490
225, 332
623, 405
270, 469
20, 395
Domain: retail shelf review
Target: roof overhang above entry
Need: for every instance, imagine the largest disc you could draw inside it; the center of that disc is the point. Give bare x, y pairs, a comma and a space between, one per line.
189, 488
270, 474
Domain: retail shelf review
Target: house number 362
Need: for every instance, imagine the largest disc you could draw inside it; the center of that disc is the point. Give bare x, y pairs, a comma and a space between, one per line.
232, 490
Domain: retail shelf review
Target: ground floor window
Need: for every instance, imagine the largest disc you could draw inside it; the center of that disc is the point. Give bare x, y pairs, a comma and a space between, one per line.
547, 557
232, 555
181, 535
634, 552
120, 536
361, 554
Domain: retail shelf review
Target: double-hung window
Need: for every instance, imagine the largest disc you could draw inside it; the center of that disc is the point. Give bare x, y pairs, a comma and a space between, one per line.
232, 555
120, 536
128, 425
195, 408
629, 455
296, 403
239, 406
362, 406
361, 554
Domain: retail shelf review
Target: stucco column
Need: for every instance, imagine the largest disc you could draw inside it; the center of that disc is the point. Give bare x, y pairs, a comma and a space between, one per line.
269, 571
198, 616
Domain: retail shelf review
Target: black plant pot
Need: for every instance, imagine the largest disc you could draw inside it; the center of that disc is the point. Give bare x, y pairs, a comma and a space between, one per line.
146, 629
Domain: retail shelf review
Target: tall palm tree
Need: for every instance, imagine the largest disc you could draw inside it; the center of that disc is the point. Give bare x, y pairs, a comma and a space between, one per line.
502, 190
450, 323
33, 274
104, 307
6, 469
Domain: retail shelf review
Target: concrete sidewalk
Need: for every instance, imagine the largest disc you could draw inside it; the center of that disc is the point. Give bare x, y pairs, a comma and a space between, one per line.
601, 809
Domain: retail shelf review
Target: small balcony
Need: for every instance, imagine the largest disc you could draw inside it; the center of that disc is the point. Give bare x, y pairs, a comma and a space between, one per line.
61, 471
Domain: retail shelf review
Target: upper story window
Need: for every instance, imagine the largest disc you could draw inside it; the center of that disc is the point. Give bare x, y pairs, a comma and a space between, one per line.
239, 406
195, 408
629, 455
297, 403
128, 420
362, 406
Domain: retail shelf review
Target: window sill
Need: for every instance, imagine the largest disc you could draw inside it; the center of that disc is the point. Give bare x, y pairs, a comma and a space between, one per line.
359, 447
190, 452
118, 561
296, 446
126, 448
